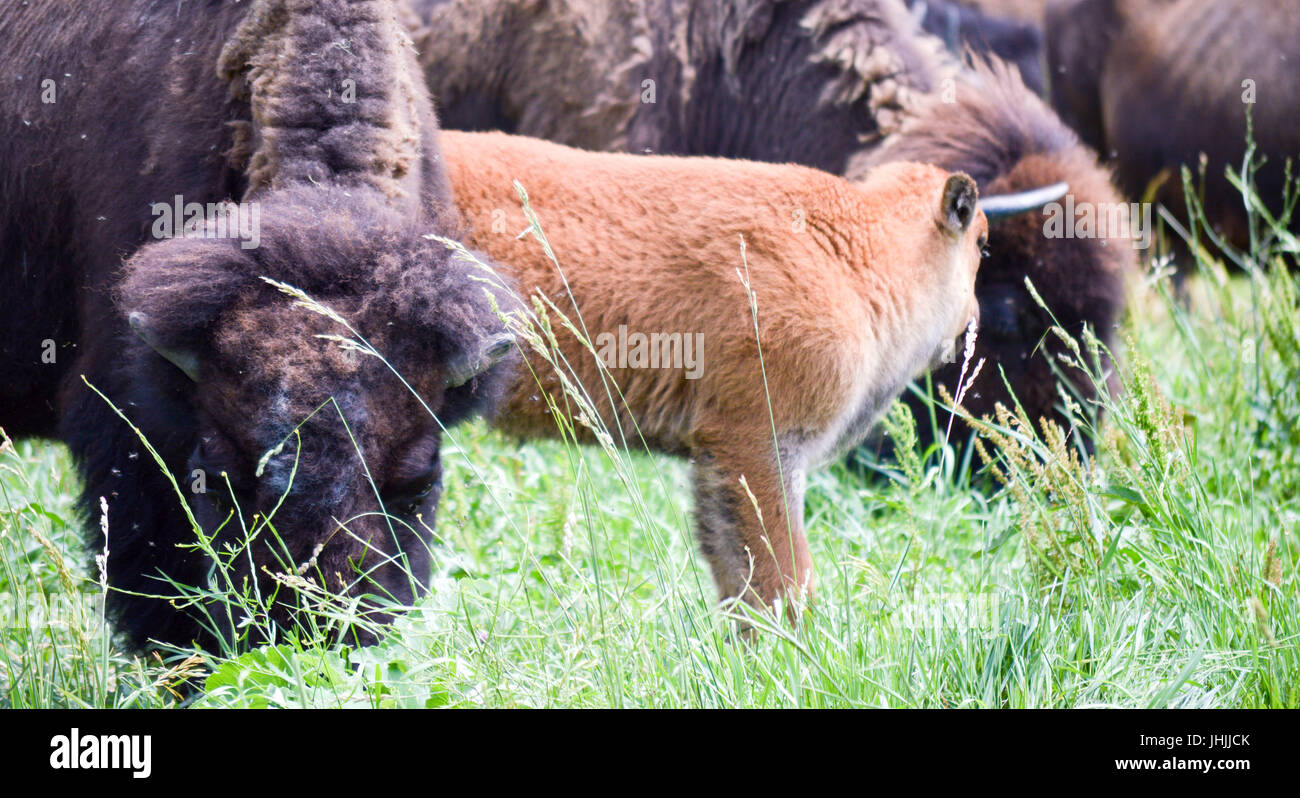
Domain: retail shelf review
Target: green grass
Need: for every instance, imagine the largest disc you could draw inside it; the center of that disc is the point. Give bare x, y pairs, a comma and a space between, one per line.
1162, 574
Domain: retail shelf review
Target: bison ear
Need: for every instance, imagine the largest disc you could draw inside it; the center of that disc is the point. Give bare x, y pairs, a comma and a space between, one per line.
173, 290
186, 361
960, 202
469, 365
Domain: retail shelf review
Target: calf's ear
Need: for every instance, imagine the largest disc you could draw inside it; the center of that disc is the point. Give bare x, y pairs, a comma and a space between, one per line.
960, 202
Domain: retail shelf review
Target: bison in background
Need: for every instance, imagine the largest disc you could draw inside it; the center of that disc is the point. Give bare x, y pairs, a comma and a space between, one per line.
314, 113
823, 83
961, 25
1154, 86
804, 81
1016, 144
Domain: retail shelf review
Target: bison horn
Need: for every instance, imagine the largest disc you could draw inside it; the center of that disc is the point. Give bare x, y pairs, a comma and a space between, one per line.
187, 362
1002, 205
466, 368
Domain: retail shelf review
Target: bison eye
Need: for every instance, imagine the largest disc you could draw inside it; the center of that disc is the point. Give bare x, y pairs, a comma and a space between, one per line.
211, 456
218, 460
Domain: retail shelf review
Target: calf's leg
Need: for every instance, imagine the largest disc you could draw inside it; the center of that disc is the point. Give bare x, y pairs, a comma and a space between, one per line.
755, 546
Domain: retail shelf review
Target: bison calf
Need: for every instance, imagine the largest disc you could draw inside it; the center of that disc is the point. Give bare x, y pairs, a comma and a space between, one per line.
858, 287
836, 85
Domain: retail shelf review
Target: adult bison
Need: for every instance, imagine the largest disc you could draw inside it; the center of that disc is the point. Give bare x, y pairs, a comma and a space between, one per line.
1155, 86
312, 114
963, 25
836, 84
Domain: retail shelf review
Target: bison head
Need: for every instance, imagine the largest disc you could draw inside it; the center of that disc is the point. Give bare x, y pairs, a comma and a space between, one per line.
310, 379
1023, 159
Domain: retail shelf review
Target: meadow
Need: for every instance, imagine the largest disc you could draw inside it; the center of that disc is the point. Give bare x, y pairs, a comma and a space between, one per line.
1159, 573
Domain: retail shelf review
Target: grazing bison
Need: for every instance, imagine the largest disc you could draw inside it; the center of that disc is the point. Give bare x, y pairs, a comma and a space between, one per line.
313, 115
961, 25
814, 82
1021, 144
858, 288
1154, 86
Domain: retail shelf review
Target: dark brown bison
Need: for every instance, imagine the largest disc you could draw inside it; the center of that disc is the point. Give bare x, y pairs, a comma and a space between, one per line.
1154, 86
312, 114
816, 82
806, 81
1021, 144
962, 25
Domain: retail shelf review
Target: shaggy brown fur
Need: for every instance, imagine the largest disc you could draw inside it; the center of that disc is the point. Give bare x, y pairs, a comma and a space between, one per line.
1154, 86
513, 79
815, 82
213, 101
281, 48
826, 77
962, 26
858, 288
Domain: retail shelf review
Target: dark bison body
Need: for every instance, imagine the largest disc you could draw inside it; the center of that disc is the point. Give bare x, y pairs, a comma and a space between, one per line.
806, 81
1154, 86
214, 101
962, 26
836, 84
